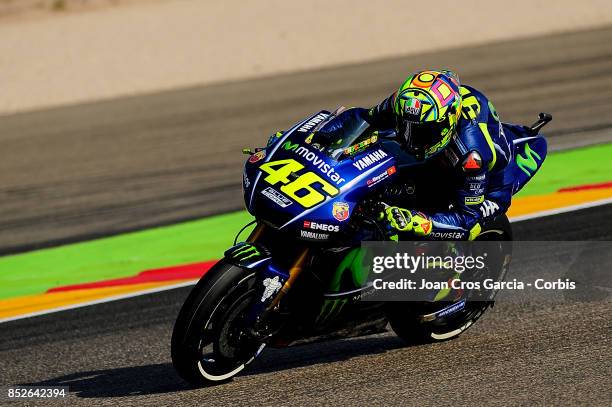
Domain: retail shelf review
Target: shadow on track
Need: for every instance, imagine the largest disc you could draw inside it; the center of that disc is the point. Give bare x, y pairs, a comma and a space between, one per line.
125, 381
161, 378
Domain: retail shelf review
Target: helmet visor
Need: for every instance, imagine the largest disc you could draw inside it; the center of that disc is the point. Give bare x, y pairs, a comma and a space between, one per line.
419, 137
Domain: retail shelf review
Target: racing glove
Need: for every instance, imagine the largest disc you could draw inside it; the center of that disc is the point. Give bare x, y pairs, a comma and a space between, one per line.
404, 220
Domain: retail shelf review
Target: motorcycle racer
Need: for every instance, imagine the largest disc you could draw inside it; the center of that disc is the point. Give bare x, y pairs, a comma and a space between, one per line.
456, 130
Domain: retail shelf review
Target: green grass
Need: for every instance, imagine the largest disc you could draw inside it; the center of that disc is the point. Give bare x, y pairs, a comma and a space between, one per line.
207, 239
119, 256
587, 165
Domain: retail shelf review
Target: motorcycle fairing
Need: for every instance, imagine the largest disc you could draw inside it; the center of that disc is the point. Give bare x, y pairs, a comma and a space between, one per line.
247, 255
269, 279
529, 154
252, 173
353, 177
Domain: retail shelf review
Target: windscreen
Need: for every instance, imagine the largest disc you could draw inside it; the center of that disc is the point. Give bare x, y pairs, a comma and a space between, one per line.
339, 136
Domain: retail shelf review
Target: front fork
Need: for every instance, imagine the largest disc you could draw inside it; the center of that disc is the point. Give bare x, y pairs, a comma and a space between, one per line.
272, 284
295, 270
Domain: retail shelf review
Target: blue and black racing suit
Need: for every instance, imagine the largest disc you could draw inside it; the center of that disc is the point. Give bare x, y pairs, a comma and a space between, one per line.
472, 172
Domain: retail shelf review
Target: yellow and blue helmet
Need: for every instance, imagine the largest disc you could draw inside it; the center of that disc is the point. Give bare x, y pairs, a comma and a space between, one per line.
427, 107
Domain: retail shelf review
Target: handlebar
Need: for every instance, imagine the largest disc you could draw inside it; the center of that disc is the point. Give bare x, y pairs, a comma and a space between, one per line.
543, 119
370, 215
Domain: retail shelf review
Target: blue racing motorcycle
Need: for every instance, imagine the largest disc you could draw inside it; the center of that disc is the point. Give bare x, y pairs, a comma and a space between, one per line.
316, 191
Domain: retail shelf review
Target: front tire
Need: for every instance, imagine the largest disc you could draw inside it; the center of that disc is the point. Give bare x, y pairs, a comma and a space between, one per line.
210, 343
419, 325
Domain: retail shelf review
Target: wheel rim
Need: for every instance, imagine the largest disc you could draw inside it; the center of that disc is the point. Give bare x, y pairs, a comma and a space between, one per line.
224, 347
456, 323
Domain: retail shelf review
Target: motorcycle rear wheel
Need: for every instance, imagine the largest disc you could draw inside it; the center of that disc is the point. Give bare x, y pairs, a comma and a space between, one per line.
416, 326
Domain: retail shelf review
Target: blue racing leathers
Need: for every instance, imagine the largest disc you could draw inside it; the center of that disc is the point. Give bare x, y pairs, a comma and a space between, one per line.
474, 167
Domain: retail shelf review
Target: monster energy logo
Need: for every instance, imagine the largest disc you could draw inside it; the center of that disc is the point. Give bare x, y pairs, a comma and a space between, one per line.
245, 252
354, 262
290, 147
528, 163
330, 309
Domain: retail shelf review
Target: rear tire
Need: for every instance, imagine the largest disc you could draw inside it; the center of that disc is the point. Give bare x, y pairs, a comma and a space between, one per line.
419, 325
209, 342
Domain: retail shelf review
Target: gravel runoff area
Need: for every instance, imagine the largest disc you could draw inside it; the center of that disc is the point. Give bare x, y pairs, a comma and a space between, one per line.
66, 57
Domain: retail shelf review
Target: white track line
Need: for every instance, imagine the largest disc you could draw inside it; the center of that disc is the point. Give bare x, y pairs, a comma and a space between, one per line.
558, 211
515, 219
102, 300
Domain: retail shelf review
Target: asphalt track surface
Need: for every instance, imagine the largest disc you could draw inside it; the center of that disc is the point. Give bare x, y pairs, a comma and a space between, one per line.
79, 172
527, 352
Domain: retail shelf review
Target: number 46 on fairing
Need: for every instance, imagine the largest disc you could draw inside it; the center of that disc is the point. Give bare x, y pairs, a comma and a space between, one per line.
281, 170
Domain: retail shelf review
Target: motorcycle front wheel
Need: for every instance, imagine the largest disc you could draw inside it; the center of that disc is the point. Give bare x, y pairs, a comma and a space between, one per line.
210, 342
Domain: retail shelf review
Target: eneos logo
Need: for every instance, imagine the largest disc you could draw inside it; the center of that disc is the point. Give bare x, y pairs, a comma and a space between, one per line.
321, 226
